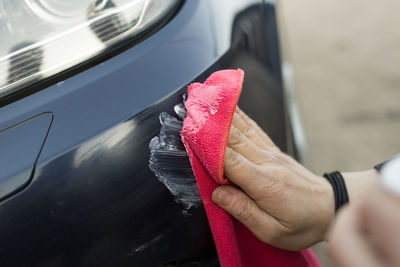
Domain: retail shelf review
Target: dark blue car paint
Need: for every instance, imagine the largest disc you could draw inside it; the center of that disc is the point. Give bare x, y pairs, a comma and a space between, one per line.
92, 200
20, 148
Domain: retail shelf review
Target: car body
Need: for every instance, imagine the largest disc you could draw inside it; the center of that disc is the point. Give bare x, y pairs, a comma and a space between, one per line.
77, 189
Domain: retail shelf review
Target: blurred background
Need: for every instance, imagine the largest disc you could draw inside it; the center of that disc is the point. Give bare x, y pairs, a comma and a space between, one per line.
346, 58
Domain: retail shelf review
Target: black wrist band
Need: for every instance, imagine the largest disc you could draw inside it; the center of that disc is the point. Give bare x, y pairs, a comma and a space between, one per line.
339, 188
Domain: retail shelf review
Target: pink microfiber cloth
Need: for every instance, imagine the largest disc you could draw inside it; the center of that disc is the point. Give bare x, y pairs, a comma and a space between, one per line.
210, 107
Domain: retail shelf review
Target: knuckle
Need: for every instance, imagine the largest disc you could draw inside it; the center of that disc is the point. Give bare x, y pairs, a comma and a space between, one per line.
252, 123
243, 210
248, 131
274, 157
283, 158
262, 159
235, 137
231, 156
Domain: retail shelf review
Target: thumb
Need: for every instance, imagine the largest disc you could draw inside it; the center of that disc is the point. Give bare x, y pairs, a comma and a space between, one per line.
244, 209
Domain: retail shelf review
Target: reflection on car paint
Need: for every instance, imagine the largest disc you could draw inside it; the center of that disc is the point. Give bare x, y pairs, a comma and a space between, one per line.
112, 140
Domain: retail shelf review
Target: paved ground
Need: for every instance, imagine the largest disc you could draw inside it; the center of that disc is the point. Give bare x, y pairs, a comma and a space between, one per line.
346, 56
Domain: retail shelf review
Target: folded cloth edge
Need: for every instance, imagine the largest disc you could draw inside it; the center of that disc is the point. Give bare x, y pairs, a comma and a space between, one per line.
231, 111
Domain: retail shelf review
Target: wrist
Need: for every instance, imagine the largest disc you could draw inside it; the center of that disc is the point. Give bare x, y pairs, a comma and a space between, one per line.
339, 189
360, 184
328, 212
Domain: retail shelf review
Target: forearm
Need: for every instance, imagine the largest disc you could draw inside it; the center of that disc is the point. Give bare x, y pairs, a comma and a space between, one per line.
360, 184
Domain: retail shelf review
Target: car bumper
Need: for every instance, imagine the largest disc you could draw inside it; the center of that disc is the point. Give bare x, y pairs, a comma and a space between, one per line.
90, 198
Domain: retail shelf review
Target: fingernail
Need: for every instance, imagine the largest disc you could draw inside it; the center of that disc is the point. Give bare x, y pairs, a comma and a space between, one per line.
222, 197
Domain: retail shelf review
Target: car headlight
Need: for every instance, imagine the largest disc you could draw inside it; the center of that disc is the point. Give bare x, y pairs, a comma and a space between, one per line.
43, 37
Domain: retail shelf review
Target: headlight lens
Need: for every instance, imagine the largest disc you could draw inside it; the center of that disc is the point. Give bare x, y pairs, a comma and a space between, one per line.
43, 37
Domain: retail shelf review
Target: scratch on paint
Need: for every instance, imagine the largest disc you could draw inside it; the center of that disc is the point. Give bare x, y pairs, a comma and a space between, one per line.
143, 247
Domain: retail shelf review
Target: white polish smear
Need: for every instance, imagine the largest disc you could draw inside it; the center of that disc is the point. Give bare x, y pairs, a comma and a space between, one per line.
180, 111
170, 163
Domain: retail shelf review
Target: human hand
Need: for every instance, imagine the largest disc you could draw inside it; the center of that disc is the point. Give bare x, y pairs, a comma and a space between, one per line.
278, 199
367, 234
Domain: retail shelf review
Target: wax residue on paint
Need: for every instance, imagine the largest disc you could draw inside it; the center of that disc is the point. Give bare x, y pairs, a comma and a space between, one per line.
170, 162
180, 111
